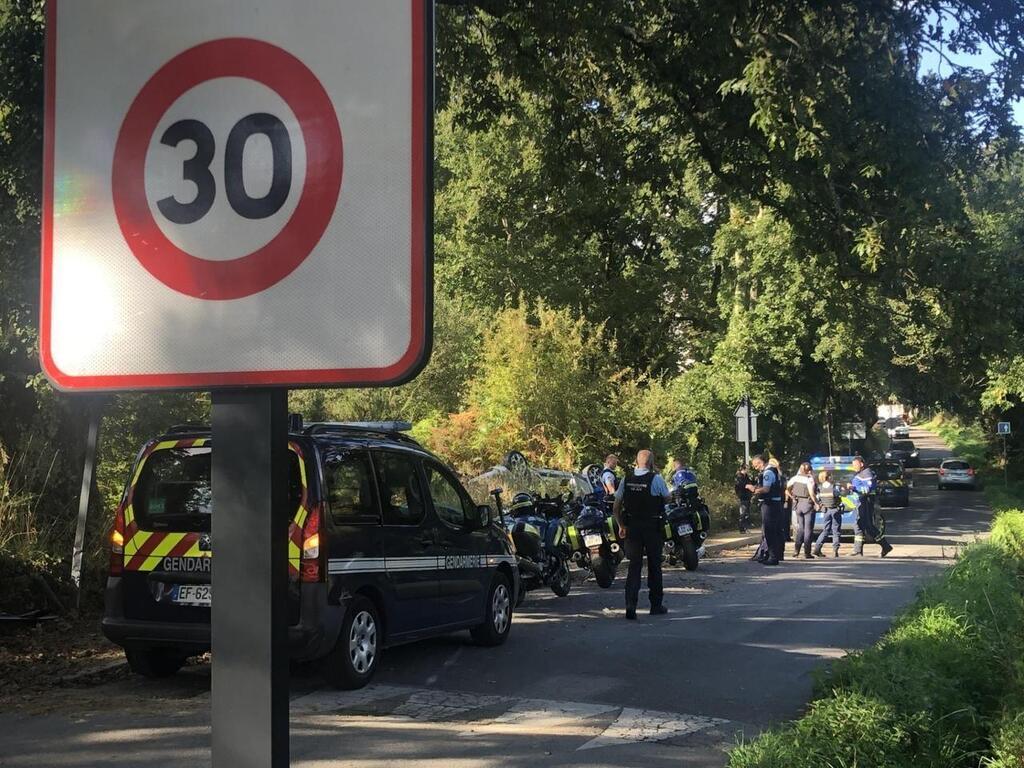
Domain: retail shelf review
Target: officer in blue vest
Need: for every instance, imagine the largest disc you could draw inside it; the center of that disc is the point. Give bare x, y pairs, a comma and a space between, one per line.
864, 484
769, 492
684, 479
639, 510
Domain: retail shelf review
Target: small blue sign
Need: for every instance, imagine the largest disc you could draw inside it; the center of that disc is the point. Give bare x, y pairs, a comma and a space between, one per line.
1003, 428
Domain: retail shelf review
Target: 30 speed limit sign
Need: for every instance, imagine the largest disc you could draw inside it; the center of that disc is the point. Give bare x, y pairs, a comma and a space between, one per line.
240, 196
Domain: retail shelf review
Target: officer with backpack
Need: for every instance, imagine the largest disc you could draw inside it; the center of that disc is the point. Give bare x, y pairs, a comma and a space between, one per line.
639, 511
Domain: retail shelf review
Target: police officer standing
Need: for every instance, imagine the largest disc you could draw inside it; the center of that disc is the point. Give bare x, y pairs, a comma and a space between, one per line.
609, 480
864, 484
743, 497
769, 493
639, 511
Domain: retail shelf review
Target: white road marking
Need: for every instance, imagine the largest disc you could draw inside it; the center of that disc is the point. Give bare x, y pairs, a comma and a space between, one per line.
542, 717
320, 702
526, 717
437, 705
641, 725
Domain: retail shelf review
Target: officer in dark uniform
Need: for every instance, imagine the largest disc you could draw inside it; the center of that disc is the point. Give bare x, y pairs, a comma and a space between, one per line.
769, 493
639, 510
865, 485
743, 497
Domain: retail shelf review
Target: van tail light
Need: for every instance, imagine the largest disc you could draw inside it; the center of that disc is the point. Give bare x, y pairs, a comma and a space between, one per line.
970, 471
117, 543
311, 566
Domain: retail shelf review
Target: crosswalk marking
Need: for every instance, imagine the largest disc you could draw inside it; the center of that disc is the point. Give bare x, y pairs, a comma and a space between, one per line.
441, 705
635, 725
602, 725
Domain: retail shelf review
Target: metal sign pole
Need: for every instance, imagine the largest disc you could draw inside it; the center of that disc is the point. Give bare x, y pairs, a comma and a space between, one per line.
1006, 478
749, 426
249, 697
84, 497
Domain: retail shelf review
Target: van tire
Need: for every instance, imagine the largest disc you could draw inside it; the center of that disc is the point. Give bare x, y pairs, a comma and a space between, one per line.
497, 614
356, 655
154, 663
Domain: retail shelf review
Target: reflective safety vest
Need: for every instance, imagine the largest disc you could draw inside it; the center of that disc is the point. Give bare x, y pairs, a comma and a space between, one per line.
827, 495
775, 491
800, 490
640, 506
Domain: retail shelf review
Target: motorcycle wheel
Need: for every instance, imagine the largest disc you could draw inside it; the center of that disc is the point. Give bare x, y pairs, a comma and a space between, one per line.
604, 571
688, 552
562, 582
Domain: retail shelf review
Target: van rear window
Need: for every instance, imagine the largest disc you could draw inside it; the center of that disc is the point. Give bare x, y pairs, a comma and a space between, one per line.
174, 490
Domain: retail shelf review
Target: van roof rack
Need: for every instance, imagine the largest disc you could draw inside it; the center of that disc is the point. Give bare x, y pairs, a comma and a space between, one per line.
179, 429
393, 429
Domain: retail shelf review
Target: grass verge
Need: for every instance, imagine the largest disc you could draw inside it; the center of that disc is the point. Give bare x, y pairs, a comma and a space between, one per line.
944, 687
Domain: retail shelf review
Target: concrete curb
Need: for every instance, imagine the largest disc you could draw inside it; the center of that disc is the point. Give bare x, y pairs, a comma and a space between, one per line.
713, 548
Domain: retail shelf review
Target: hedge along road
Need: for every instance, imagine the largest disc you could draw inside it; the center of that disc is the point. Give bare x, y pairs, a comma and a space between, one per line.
576, 684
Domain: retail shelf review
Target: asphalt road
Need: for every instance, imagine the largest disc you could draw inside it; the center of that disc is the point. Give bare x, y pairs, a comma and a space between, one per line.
575, 684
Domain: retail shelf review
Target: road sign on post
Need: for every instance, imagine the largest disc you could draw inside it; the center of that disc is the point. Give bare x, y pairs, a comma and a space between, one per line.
746, 425
1003, 430
238, 194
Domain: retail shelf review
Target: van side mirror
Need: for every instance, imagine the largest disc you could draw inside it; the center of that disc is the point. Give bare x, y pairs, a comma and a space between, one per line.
484, 512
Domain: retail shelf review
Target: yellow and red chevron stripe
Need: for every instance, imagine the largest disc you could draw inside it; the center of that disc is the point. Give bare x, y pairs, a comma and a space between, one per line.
143, 550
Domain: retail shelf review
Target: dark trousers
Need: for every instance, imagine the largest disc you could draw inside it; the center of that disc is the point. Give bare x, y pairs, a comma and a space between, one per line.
864, 526
833, 527
804, 525
744, 516
772, 521
644, 539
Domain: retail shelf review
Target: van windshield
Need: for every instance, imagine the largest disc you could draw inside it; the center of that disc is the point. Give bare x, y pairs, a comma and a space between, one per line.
173, 491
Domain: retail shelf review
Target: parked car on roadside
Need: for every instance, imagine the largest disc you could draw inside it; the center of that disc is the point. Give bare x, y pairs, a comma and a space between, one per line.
957, 473
385, 546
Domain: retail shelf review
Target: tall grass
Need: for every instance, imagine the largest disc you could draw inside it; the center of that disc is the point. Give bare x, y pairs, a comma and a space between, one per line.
24, 479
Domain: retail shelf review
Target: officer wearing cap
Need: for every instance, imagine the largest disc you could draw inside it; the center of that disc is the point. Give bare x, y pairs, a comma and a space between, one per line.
639, 511
864, 484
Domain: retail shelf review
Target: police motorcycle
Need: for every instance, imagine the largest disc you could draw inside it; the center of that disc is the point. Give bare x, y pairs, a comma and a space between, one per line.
539, 532
596, 538
687, 524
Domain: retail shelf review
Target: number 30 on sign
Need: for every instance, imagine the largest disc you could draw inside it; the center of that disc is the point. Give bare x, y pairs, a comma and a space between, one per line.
236, 198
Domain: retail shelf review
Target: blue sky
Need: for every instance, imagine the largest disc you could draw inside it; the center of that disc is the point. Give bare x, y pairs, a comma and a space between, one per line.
932, 62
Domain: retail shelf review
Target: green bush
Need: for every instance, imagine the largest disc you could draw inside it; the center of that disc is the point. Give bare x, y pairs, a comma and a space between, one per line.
1008, 740
848, 730
1008, 533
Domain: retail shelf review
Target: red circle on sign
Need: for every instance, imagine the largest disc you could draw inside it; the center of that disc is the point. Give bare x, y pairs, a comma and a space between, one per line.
302, 91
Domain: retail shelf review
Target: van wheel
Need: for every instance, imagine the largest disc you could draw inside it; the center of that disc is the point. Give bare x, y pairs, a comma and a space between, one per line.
498, 616
354, 659
154, 662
